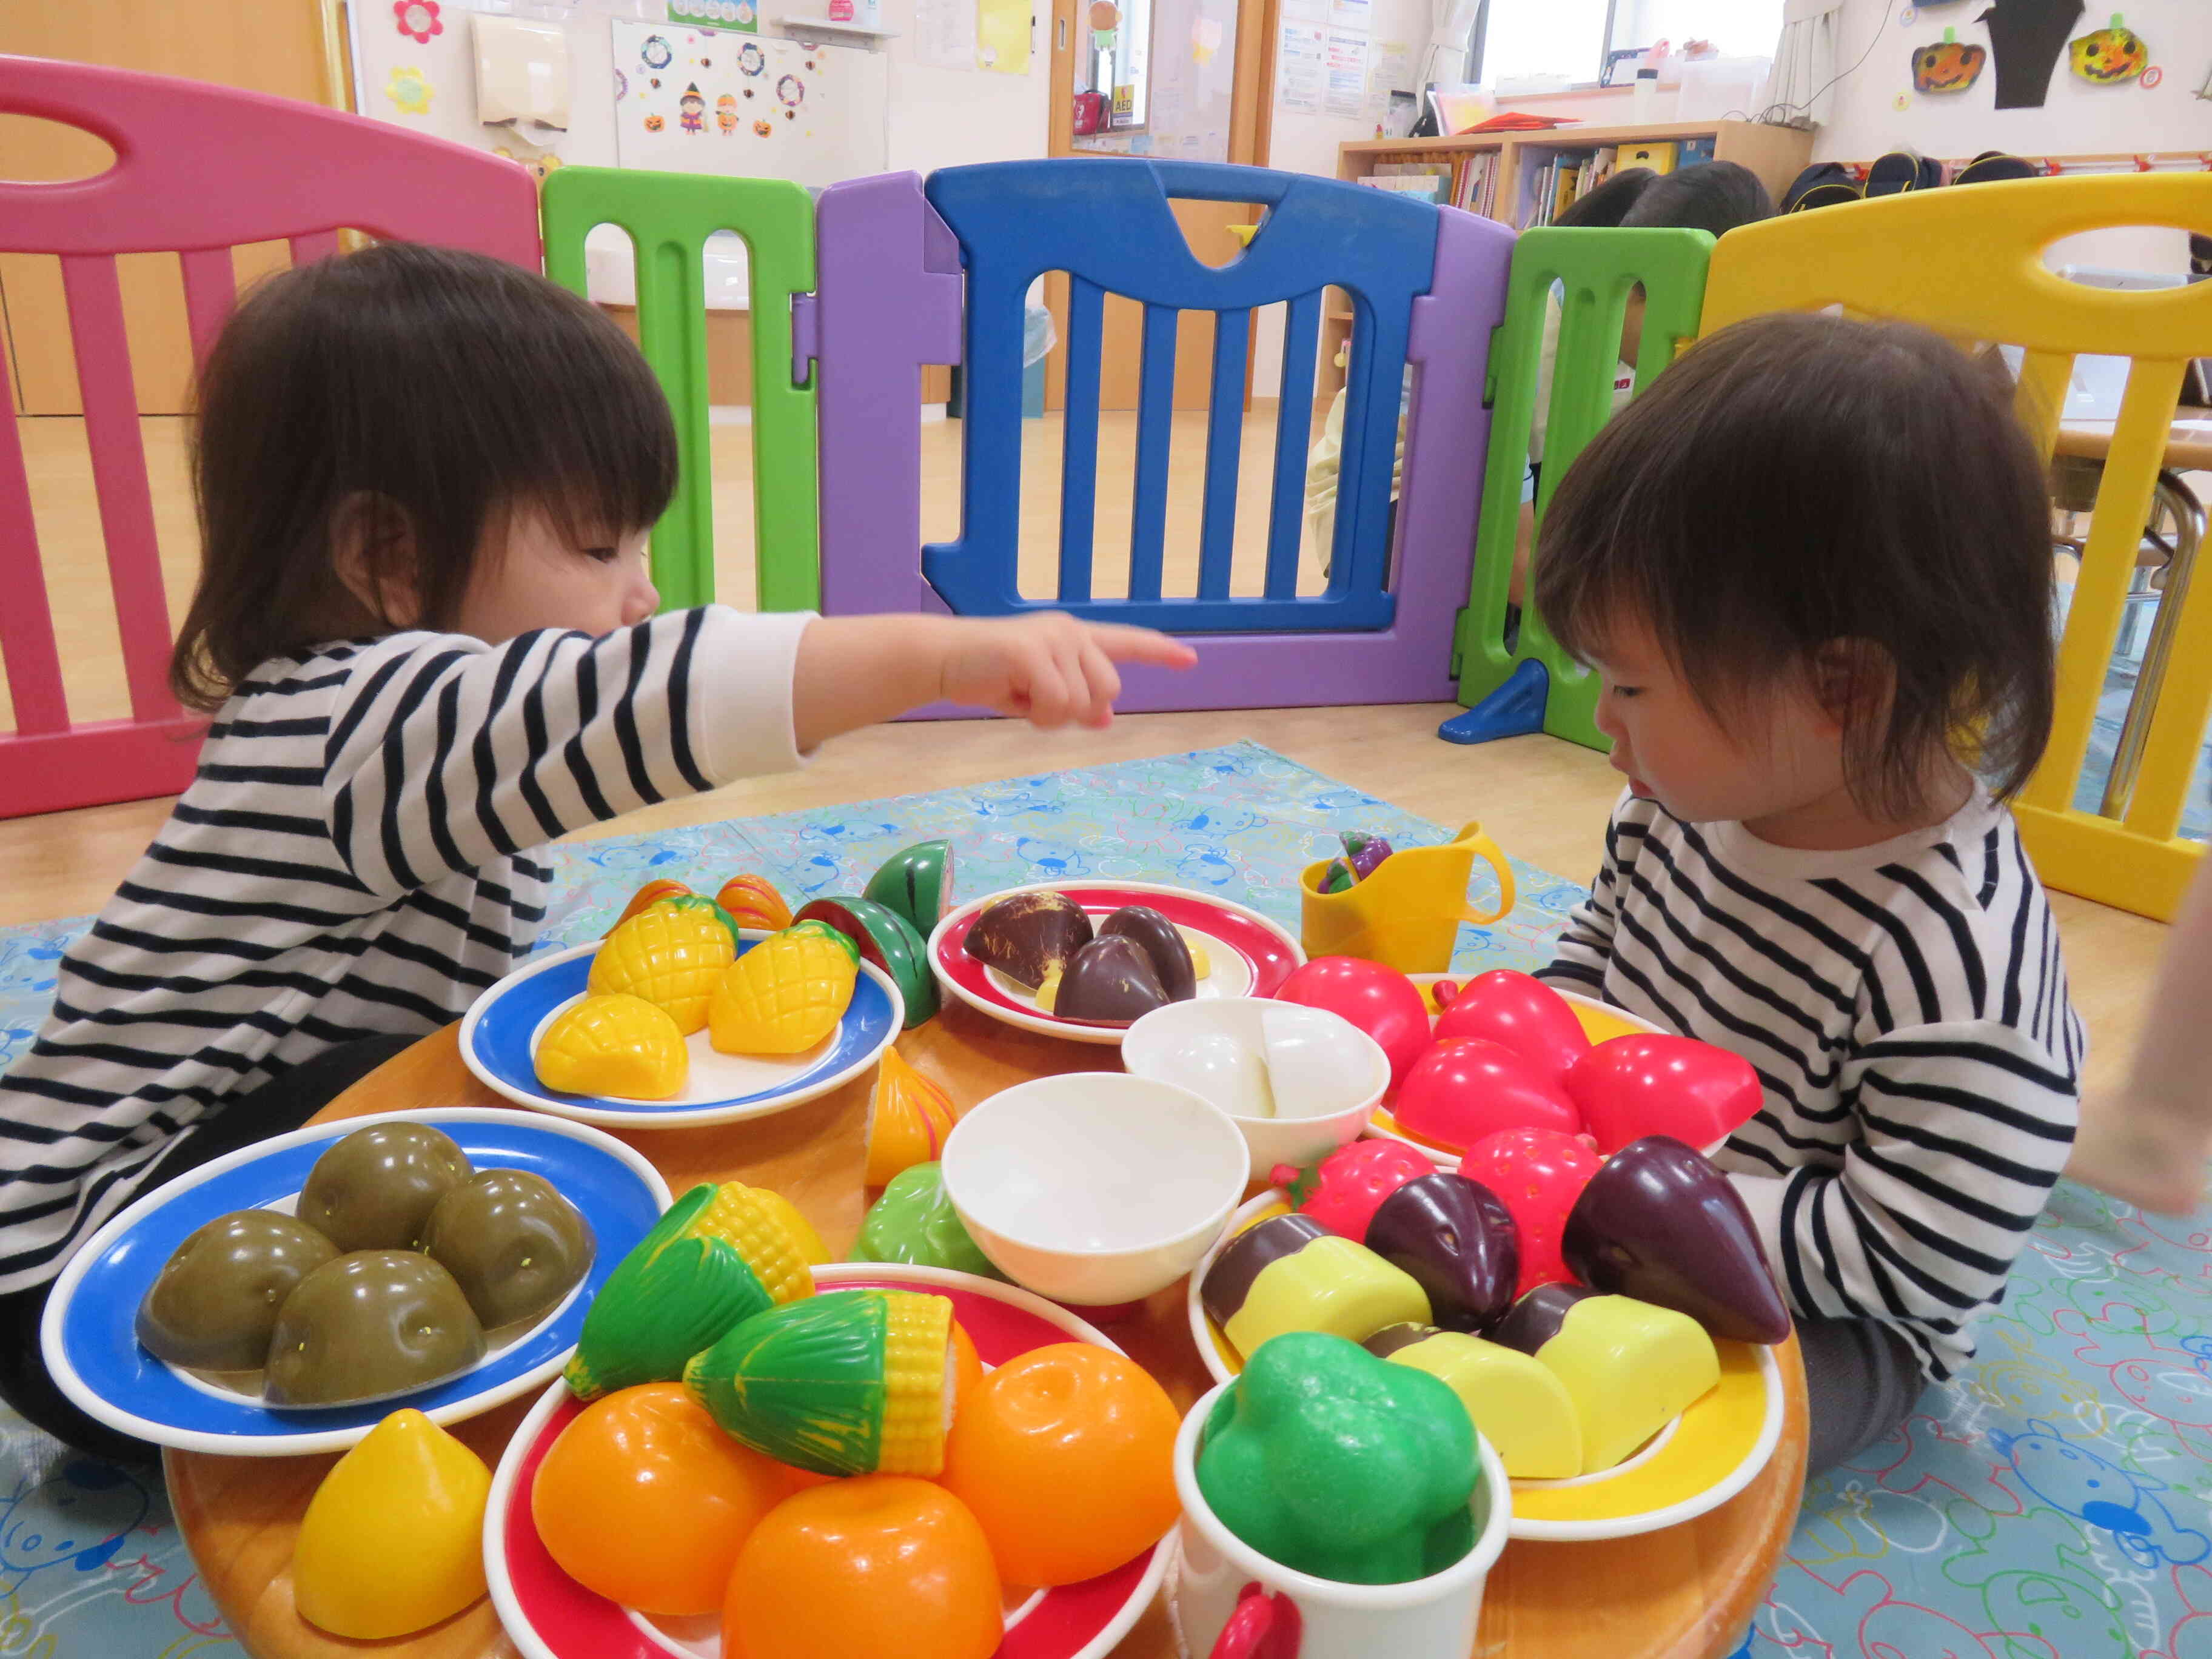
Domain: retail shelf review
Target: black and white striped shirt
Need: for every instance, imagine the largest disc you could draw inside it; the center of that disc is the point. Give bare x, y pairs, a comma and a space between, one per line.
353, 860
1905, 1006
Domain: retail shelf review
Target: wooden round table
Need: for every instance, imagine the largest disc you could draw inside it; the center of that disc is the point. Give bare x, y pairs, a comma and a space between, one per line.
1686, 1593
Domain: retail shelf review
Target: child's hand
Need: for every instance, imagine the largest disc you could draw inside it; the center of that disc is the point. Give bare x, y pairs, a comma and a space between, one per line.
1048, 668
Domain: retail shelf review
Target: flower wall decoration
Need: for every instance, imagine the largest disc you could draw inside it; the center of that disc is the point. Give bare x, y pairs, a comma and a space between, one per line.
418, 20
409, 90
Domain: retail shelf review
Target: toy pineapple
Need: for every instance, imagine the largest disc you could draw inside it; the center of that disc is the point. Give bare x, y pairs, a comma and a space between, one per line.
786, 994
619, 1045
669, 955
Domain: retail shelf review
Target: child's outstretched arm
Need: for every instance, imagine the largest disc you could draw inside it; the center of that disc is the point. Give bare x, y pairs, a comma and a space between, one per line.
1585, 945
2148, 1143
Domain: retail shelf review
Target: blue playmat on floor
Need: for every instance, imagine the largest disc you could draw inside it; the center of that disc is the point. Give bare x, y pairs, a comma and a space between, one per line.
2049, 1503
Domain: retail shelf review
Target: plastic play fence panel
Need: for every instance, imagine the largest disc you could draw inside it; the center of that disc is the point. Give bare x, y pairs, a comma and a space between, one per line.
1426, 287
1532, 685
668, 217
1969, 265
199, 170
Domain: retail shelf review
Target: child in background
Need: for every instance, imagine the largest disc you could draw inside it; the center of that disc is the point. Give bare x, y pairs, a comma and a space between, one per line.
425, 627
1812, 565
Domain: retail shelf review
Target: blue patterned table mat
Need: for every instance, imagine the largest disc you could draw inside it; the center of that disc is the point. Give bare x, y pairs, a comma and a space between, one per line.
2050, 1504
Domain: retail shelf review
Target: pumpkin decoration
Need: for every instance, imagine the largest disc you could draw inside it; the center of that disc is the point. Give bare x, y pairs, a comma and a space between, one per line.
786, 994
1948, 65
908, 1118
848, 1382
671, 958
754, 902
2109, 56
889, 940
618, 1045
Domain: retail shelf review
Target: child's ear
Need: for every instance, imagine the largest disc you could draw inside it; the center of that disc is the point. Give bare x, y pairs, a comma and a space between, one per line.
1853, 680
373, 551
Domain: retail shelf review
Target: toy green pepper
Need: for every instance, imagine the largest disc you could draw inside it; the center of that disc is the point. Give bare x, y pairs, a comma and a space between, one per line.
915, 1222
1340, 1465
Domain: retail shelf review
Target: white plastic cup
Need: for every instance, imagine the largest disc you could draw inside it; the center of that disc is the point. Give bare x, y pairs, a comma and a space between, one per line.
1278, 1610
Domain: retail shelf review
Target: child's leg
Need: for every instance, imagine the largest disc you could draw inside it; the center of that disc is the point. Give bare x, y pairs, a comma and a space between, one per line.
2149, 1143
1861, 1383
277, 1107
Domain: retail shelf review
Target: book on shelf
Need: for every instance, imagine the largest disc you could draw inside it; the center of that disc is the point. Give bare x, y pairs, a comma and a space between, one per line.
1426, 181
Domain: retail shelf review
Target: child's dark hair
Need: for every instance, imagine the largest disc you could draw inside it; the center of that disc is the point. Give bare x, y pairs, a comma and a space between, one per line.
411, 395
1713, 195
1796, 480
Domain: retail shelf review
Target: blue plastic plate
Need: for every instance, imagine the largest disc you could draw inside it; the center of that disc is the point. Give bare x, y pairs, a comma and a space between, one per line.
500, 1035
95, 1356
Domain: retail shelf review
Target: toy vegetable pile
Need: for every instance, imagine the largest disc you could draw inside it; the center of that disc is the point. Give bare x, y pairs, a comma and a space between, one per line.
1134, 960
401, 1257
1362, 852
832, 1471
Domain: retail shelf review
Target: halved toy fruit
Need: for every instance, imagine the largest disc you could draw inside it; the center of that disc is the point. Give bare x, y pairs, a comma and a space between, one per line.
671, 958
908, 1118
786, 994
617, 1045
888, 939
754, 902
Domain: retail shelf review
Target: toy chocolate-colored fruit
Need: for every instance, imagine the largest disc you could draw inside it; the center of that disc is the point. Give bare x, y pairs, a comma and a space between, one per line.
671, 958
620, 1045
1628, 1366
375, 1189
845, 1382
367, 1326
1521, 1408
1287, 1274
512, 1243
917, 883
1458, 1240
1025, 935
753, 901
2110, 55
1110, 981
1659, 1223
908, 1118
1162, 942
888, 939
214, 1304
786, 994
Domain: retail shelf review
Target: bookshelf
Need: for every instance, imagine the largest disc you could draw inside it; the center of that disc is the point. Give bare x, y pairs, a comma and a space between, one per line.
1513, 164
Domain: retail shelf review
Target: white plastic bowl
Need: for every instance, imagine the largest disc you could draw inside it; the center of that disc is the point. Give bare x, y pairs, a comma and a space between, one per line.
1327, 1076
1094, 1187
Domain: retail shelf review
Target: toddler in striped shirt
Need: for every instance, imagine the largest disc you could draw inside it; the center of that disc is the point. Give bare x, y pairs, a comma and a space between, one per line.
1812, 568
425, 629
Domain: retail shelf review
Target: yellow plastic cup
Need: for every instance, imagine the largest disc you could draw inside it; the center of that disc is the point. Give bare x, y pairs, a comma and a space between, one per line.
1407, 913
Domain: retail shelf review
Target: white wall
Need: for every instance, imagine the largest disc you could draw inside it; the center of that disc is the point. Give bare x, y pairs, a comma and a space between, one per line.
943, 118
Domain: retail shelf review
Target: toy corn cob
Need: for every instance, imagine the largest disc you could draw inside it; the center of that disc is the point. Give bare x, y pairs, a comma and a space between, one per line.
717, 1256
847, 1383
670, 957
619, 1045
784, 994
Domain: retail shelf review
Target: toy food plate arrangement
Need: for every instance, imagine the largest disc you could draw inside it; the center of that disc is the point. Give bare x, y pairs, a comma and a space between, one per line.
286, 1298
682, 1016
807, 1579
1084, 960
1607, 1325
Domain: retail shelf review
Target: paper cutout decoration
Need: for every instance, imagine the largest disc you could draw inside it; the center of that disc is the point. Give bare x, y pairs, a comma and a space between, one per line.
725, 114
1948, 64
409, 90
417, 20
2026, 37
2110, 56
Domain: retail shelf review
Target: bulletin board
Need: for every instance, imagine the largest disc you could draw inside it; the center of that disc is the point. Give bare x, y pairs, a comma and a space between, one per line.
691, 100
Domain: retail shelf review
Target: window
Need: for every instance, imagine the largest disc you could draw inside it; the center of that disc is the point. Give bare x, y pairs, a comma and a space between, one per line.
1575, 38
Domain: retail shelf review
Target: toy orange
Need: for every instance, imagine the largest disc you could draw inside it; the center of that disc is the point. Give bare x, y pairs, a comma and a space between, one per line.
1067, 1418
644, 1501
908, 1117
876, 1565
754, 902
784, 994
619, 1045
652, 893
671, 958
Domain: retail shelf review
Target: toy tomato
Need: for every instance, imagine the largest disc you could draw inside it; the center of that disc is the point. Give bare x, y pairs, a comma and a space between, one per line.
1066, 1456
1539, 1173
1524, 1014
879, 1565
644, 1500
1380, 1000
1463, 1090
1649, 1084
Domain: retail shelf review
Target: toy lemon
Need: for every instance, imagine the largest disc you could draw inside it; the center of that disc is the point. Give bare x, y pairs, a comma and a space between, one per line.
845, 1382
784, 994
669, 956
619, 1045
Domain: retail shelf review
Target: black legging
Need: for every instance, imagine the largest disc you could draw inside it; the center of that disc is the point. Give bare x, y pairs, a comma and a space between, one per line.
277, 1107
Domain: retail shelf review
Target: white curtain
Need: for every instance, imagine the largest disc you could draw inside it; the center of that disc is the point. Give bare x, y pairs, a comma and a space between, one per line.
1452, 24
1805, 59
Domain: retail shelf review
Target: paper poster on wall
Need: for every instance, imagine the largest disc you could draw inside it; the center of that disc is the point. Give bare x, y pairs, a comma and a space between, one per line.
1345, 91
2026, 37
944, 33
1002, 35
1389, 68
742, 16
1302, 67
2110, 57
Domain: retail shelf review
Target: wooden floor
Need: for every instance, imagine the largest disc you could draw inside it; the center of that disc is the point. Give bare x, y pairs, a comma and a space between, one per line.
1544, 800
